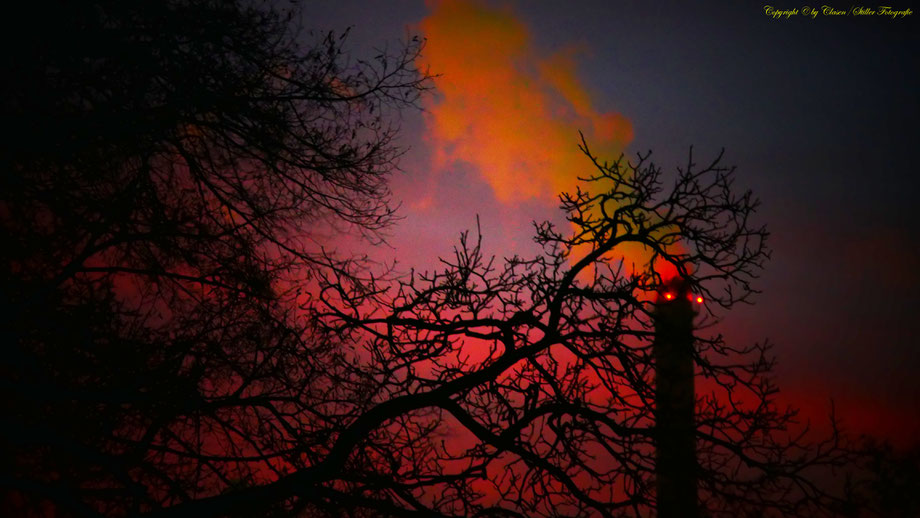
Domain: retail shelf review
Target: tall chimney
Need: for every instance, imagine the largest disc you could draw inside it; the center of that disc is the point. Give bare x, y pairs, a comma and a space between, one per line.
675, 442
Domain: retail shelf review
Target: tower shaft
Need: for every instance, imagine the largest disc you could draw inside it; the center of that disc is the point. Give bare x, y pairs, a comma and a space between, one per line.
675, 437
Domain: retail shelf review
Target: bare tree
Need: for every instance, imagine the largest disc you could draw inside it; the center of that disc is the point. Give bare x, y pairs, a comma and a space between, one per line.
887, 483
528, 389
168, 172
180, 344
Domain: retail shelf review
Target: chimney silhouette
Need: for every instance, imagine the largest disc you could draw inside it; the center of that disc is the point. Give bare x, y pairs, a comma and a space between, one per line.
675, 440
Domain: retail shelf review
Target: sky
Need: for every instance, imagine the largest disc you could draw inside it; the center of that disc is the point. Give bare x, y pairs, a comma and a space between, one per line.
819, 114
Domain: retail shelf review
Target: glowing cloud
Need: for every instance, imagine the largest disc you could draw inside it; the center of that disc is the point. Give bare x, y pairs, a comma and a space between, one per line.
504, 108
514, 113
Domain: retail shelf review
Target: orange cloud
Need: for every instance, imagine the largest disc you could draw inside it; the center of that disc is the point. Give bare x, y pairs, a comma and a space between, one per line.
506, 109
514, 113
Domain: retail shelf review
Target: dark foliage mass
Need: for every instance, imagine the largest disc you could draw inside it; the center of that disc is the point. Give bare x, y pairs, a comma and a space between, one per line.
178, 342
169, 171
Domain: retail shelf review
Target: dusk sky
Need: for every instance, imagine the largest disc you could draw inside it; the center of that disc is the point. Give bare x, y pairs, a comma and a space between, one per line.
819, 114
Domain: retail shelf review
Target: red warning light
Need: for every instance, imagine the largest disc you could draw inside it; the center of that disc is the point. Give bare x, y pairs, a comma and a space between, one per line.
699, 300
669, 296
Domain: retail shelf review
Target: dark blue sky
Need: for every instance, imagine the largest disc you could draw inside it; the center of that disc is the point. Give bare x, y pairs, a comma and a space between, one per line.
821, 118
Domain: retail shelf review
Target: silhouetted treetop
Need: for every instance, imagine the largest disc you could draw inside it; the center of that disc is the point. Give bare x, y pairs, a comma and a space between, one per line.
542, 370
272, 122
527, 388
169, 173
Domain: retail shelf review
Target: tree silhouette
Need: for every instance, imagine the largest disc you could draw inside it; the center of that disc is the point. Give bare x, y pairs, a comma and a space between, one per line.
179, 343
886, 483
168, 174
528, 389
